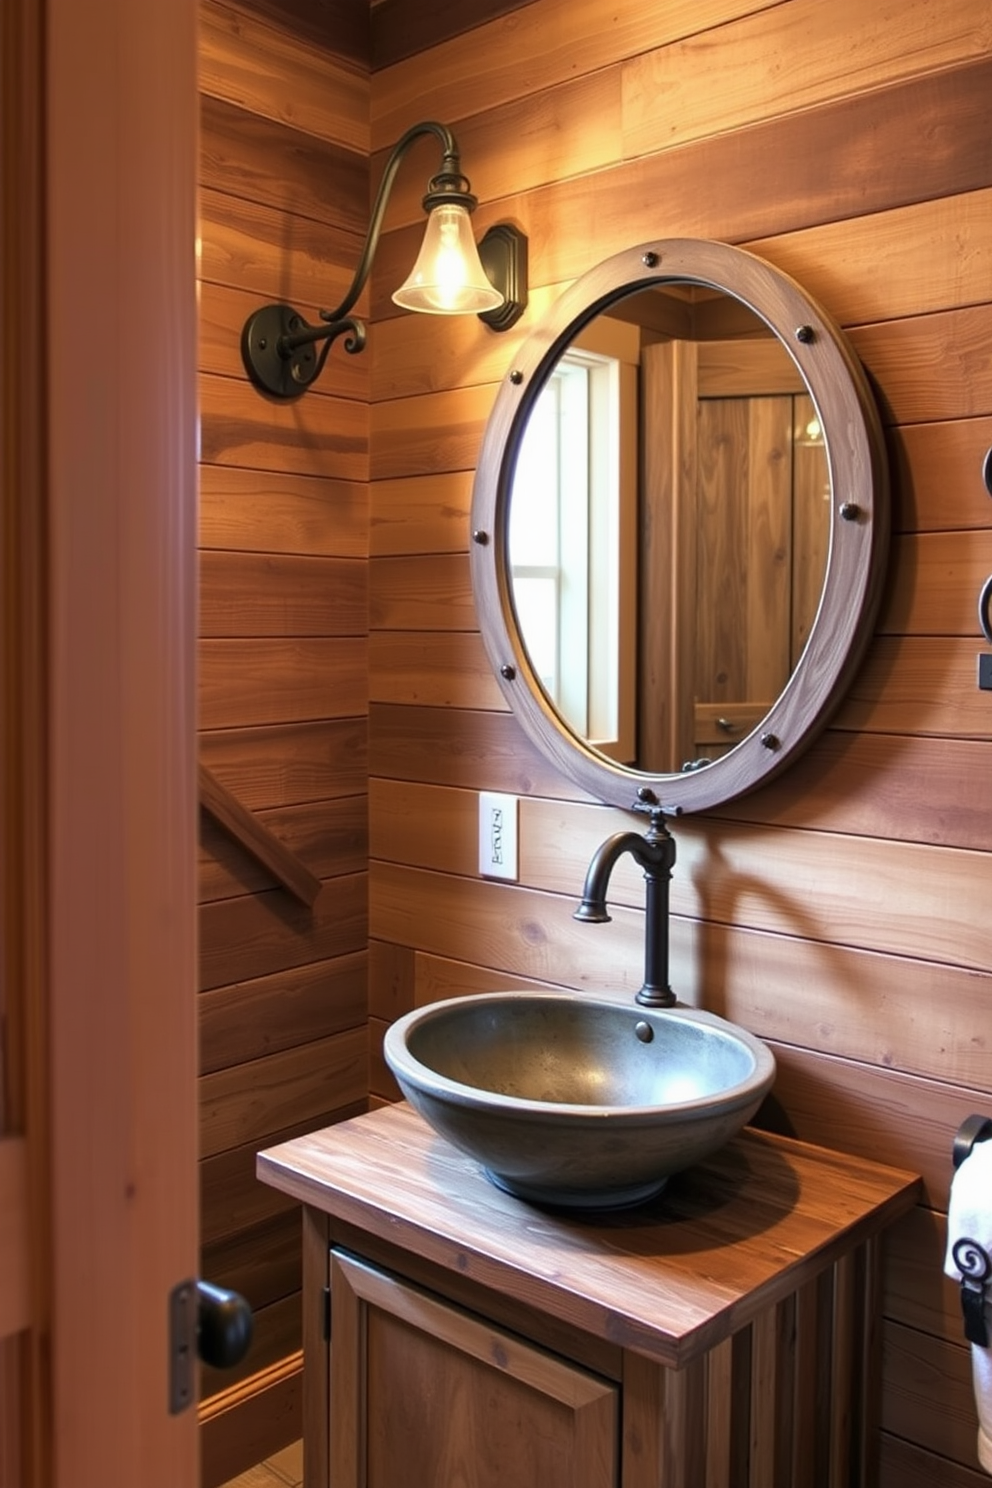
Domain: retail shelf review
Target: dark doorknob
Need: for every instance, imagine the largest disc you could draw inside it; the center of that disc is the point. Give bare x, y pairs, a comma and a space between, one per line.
223, 1325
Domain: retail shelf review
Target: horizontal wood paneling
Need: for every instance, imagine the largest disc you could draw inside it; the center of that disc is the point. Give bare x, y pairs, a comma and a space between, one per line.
419, 436
425, 514
870, 1111
917, 685
927, 1393
917, 1292
231, 1197
421, 593
432, 669
905, 1466
289, 763
245, 1103
329, 837
260, 933
532, 50
275, 255
904, 899
247, 1020
347, 37
322, 95
263, 1264
270, 680
252, 512
769, 64
281, 166
875, 151
316, 436
252, 594
934, 469
448, 746
933, 581
838, 912
283, 664
399, 31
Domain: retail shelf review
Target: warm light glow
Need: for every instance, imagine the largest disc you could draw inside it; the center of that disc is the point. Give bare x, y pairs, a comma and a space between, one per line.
448, 277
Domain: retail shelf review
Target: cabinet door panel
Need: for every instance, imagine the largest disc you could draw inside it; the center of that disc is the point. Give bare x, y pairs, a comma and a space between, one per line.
425, 1394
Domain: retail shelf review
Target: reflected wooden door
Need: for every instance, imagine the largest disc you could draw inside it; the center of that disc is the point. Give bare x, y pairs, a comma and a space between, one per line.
97, 780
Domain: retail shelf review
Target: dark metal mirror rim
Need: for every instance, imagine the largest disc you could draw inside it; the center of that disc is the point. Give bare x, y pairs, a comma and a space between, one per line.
859, 524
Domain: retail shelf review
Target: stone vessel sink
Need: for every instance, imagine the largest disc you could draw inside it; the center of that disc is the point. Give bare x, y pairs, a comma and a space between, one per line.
576, 1100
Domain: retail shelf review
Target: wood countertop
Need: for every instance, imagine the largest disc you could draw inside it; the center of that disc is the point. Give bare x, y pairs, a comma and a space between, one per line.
668, 1280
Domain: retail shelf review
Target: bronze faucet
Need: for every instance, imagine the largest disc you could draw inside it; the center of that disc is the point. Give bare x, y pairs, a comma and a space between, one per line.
655, 852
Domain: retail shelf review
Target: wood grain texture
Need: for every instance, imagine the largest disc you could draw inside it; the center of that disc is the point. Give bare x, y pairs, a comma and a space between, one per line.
276, 255
275, 73
231, 1197
240, 1105
281, 166
347, 36
253, 594
398, 32
640, 1287
254, 838
927, 1395
736, 77
287, 764
290, 679
330, 836
905, 143
257, 934
251, 512
318, 436
245, 1021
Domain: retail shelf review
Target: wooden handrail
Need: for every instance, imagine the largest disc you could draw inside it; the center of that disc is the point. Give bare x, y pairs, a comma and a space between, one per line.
251, 834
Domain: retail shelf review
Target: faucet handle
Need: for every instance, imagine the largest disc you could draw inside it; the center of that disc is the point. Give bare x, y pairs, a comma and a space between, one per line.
647, 802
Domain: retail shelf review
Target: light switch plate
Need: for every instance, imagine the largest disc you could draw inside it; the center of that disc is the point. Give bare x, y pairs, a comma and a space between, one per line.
498, 835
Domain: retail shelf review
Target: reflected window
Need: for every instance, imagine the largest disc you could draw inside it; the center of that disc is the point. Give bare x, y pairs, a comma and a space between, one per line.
572, 538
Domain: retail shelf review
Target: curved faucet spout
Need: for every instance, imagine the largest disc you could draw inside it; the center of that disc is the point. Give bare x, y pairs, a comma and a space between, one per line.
655, 853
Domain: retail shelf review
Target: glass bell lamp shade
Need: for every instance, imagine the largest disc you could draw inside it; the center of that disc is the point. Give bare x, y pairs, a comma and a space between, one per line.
448, 277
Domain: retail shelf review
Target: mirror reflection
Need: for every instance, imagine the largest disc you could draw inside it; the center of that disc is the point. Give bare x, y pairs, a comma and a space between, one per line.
668, 527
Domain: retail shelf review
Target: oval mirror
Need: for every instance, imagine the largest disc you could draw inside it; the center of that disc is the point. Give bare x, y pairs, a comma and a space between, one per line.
679, 524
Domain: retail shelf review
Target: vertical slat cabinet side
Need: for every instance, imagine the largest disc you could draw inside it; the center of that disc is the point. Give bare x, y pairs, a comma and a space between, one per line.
845, 1357
316, 1353
806, 1376
664, 1425
719, 1415
424, 1392
773, 1360
866, 1463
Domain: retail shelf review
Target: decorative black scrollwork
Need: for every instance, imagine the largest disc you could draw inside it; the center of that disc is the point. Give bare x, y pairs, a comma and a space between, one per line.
975, 1266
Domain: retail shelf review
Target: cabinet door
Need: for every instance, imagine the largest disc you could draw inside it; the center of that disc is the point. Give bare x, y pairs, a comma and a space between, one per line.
425, 1395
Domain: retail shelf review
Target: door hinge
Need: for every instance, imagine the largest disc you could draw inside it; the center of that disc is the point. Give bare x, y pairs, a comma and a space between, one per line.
326, 1313
183, 1303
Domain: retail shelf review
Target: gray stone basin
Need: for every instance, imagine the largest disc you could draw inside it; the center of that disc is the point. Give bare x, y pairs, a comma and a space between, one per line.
576, 1100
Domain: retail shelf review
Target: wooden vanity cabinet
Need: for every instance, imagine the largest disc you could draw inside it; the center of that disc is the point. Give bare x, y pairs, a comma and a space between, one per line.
422, 1392
722, 1336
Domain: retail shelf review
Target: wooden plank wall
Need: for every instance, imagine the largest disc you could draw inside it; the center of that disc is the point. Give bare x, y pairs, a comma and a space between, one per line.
841, 913
284, 166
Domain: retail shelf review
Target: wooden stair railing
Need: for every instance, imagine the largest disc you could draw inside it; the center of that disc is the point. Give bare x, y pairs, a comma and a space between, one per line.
251, 834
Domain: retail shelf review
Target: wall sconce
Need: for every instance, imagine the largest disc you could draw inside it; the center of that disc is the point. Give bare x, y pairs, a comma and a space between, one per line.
450, 277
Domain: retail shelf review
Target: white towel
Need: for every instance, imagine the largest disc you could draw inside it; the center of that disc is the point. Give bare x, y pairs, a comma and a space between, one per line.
969, 1216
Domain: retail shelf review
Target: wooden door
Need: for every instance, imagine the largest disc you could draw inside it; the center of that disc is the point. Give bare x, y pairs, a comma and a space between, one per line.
98, 807
423, 1392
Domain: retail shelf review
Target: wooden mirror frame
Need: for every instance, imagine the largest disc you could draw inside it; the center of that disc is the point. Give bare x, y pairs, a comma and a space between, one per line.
859, 522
